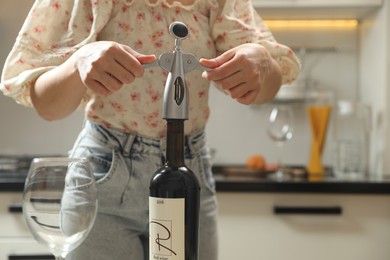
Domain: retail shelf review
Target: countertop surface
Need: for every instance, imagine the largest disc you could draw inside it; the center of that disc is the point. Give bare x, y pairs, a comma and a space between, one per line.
247, 184
241, 181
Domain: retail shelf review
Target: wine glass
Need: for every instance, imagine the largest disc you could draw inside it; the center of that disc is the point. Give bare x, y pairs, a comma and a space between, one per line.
280, 130
60, 202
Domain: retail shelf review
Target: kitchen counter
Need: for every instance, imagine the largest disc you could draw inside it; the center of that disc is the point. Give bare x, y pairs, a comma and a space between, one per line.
240, 179
253, 183
247, 184
12, 182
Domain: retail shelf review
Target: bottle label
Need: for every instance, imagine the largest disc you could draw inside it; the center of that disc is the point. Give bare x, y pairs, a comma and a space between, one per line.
166, 228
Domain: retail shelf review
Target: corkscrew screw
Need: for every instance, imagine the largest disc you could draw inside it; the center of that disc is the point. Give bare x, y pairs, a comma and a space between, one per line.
176, 63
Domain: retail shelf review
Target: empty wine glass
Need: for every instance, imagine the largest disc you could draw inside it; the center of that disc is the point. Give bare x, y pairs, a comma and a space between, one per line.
60, 202
280, 130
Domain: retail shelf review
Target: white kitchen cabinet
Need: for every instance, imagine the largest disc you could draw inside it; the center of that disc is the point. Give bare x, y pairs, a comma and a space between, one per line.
15, 238
249, 228
316, 9
316, 3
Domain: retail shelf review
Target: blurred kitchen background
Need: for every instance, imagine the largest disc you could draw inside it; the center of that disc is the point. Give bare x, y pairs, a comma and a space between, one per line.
344, 46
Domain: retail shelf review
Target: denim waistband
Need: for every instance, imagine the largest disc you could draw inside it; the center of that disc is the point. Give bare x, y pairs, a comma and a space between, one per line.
128, 142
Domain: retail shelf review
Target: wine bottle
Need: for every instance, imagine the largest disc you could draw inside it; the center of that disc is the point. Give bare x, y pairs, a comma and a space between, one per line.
174, 203
174, 199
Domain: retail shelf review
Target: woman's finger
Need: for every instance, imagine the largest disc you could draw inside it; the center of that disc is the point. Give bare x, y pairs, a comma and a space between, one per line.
120, 73
248, 98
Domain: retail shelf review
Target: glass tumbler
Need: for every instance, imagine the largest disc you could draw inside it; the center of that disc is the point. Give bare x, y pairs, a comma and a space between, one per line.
352, 128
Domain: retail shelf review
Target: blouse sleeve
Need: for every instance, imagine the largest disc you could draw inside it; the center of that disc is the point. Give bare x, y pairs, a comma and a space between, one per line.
236, 22
51, 33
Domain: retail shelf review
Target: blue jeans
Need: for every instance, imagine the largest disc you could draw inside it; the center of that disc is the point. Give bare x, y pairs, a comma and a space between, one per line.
123, 165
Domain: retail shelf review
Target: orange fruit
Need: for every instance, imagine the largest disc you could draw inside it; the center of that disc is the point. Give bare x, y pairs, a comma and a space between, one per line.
256, 162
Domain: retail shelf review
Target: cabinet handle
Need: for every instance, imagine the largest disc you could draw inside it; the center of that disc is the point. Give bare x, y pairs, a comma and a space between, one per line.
15, 208
312, 210
30, 257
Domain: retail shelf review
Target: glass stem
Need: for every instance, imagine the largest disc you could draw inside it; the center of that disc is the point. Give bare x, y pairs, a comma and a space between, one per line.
60, 258
280, 156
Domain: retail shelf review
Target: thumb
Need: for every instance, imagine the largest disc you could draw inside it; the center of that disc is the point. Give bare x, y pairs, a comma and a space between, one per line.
209, 63
142, 58
146, 58
219, 60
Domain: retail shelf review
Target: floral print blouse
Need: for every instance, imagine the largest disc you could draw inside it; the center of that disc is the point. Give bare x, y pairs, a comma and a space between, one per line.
55, 29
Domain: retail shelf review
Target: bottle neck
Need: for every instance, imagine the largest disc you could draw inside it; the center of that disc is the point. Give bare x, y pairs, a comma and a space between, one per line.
175, 143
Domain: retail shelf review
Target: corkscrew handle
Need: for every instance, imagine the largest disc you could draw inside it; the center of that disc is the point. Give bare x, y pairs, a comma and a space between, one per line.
165, 61
178, 30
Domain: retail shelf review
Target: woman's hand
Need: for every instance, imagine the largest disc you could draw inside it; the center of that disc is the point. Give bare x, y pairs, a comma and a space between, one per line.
104, 66
243, 72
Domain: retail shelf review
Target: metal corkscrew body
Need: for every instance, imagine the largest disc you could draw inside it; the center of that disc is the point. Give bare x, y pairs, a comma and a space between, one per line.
176, 63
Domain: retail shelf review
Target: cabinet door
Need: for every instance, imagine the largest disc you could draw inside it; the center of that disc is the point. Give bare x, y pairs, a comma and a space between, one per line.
249, 228
11, 216
22, 249
316, 3
341, 3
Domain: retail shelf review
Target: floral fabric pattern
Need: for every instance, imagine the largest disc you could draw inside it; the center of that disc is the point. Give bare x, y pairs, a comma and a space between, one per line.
55, 29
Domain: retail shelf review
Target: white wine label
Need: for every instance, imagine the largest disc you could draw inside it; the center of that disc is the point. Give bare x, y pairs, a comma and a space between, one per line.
166, 229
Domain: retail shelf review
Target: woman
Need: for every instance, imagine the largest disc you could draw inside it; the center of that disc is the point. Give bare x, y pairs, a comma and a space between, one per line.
90, 54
